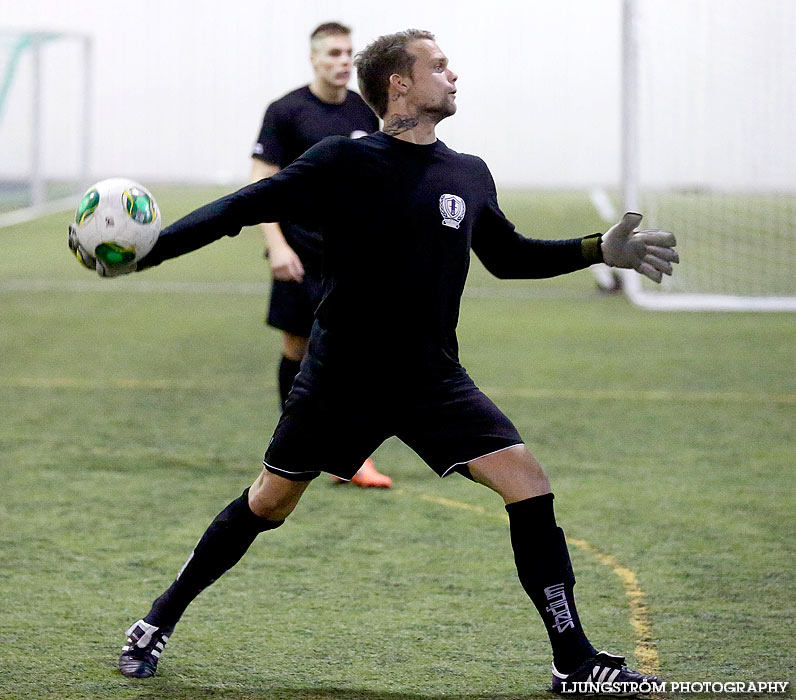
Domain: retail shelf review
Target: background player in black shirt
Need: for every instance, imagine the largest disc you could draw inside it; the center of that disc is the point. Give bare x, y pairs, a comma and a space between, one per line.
293, 123
419, 209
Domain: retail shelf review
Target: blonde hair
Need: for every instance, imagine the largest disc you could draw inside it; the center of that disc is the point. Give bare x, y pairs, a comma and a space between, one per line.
327, 29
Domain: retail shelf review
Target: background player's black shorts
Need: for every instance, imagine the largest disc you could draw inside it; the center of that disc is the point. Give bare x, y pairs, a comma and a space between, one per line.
330, 428
292, 304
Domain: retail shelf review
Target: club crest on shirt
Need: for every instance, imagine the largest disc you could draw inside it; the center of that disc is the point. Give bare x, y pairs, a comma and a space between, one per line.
452, 208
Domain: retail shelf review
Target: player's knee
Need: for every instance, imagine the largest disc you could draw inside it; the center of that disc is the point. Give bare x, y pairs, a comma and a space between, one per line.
294, 347
528, 464
513, 460
513, 473
273, 497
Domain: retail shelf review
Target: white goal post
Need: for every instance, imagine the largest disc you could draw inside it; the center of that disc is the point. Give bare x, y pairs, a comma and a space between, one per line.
45, 111
708, 148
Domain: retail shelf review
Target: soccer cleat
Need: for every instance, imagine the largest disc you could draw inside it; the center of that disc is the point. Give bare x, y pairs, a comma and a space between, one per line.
612, 286
142, 651
367, 477
603, 674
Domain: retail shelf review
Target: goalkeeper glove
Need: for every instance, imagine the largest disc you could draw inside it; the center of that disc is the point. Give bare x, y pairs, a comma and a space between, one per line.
92, 263
650, 252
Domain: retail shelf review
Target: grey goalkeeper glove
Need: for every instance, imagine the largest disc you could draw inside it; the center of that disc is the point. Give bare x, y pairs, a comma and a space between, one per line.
649, 252
92, 263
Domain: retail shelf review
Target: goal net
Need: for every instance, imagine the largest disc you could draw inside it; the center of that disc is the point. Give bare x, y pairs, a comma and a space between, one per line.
44, 116
709, 108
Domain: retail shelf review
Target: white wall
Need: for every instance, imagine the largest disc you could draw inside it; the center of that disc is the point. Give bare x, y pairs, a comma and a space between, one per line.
180, 87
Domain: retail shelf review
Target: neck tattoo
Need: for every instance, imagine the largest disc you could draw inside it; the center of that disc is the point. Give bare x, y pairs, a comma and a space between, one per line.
399, 123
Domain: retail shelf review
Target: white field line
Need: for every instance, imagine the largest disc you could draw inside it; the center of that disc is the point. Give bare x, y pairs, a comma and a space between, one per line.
135, 286
223, 384
138, 286
23, 216
605, 208
602, 203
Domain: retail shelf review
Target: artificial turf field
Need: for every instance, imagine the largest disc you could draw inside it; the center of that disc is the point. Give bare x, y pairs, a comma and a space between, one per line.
134, 409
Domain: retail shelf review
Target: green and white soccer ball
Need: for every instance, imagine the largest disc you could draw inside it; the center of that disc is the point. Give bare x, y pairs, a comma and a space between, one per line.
117, 221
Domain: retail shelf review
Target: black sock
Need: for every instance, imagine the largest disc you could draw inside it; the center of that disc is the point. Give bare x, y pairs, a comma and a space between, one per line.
221, 547
545, 572
288, 369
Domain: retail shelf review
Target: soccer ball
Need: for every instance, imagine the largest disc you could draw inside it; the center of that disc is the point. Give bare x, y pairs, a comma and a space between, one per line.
117, 221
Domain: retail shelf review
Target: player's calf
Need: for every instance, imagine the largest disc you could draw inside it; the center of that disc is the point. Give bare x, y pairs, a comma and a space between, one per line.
221, 546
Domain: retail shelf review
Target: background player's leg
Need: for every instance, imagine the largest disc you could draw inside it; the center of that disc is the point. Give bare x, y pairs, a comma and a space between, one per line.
540, 549
294, 347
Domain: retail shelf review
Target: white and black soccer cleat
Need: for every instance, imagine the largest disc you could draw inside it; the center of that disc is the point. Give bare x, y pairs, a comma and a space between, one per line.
141, 653
604, 674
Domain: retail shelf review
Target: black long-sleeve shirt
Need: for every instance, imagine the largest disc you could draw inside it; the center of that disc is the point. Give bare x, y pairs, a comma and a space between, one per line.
295, 123
398, 221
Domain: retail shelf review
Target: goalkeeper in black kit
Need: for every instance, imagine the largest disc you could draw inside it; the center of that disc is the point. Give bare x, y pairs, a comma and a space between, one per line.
396, 257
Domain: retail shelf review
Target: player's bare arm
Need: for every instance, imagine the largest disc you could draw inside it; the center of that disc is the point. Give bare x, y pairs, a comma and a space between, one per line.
285, 263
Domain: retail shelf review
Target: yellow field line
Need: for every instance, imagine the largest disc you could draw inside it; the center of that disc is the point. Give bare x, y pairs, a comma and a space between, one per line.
645, 650
100, 383
94, 383
749, 397
643, 395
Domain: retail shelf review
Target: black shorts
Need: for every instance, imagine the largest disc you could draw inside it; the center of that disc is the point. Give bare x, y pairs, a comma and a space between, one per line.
326, 427
292, 305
